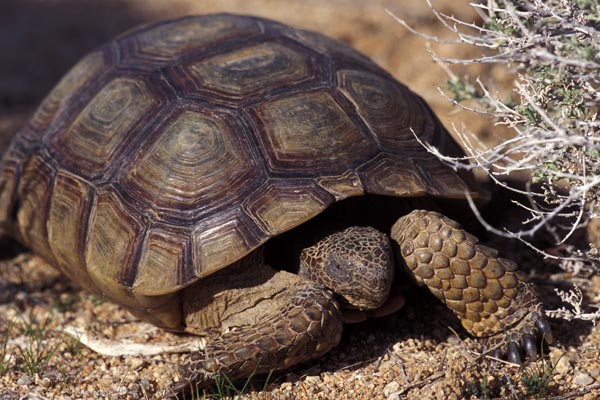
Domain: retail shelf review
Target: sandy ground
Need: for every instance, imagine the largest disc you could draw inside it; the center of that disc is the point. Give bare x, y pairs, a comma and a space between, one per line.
413, 354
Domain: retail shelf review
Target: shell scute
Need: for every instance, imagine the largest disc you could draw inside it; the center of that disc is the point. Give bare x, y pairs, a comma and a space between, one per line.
247, 73
192, 162
391, 111
70, 206
280, 205
393, 177
34, 188
222, 239
164, 42
100, 132
309, 132
113, 240
63, 96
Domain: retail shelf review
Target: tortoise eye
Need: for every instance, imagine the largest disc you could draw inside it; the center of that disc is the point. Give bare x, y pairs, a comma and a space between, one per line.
336, 272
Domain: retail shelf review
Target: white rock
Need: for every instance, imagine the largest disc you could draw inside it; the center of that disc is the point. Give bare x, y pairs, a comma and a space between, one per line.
24, 381
583, 379
391, 389
145, 384
560, 361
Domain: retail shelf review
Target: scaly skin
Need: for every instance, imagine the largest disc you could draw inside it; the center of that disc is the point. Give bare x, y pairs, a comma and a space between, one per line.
306, 327
485, 292
272, 320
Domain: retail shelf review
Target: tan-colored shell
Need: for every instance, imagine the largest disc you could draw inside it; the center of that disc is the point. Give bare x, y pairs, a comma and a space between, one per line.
179, 147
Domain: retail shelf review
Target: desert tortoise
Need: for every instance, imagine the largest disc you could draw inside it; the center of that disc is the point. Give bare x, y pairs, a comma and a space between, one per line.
159, 166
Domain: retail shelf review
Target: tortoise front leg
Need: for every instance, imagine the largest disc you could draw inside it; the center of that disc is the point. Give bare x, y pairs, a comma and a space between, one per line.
281, 322
485, 291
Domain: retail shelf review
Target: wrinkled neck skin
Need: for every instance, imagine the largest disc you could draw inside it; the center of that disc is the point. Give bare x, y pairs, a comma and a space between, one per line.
239, 295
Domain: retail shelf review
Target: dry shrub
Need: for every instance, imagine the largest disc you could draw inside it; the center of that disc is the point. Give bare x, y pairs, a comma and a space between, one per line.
552, 49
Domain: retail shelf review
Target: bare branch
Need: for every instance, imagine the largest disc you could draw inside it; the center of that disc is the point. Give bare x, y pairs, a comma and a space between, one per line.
552, 48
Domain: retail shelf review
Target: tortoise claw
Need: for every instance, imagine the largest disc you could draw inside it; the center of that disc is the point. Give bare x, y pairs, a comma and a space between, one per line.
530, 346
544, 329
512, 349
497, 354
526, 337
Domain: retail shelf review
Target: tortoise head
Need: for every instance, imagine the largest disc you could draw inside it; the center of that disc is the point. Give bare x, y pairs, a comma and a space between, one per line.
356, 264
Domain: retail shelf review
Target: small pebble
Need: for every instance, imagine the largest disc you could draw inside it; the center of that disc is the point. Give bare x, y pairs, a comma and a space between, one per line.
311, 379
390, 389
560, 360
32, 396
136, 362
54, 376
145, 384
24, 381
453, 339
45, 382
583, 379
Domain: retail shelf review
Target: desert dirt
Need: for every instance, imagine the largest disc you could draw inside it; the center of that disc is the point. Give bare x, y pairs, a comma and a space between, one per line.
421, 352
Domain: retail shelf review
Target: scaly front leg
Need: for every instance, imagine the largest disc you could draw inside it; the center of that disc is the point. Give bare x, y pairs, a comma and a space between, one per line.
279, 323
486, 292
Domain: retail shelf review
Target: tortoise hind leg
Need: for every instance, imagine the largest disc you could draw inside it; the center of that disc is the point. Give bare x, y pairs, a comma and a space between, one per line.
282, 321
485, 291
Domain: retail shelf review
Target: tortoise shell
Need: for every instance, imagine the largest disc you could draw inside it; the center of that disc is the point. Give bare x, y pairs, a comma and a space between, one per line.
179, 147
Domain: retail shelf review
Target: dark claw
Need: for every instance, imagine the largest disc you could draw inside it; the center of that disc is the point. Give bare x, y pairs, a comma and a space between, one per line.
497, 354
544, 329
530, 346
513, 353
